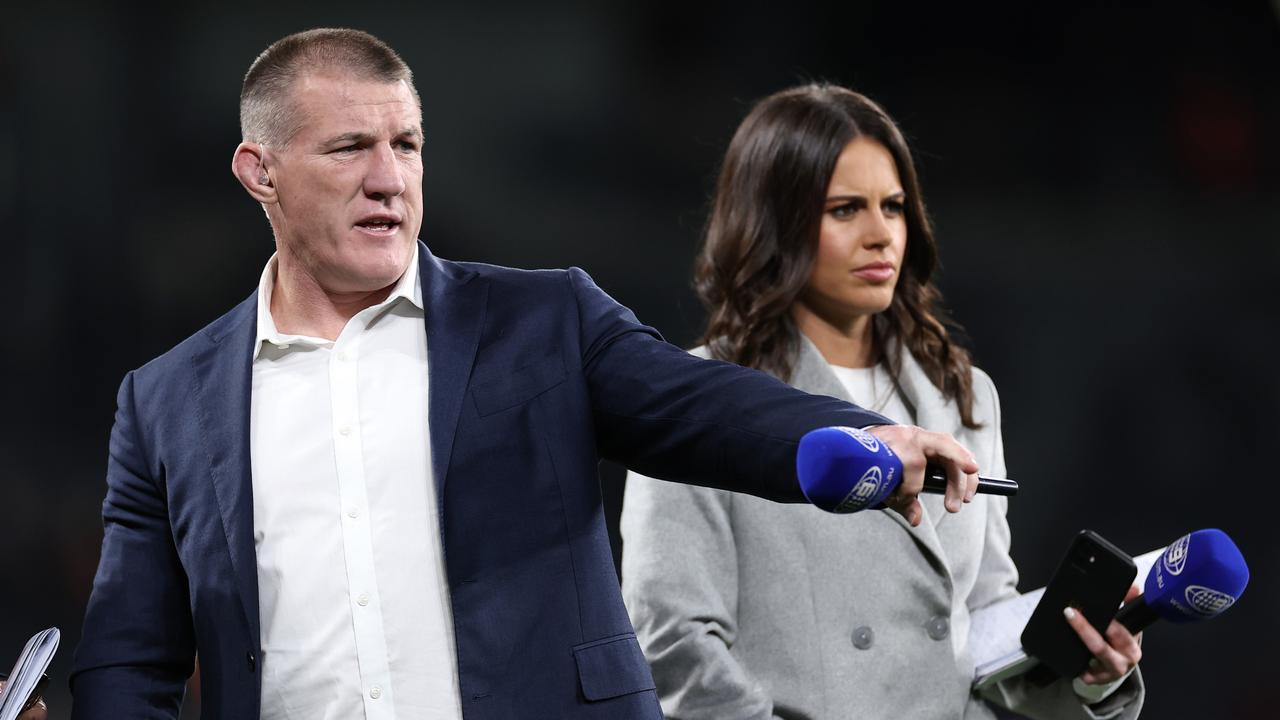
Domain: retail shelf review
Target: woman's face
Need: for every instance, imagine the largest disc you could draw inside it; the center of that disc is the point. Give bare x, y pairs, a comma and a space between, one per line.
863, 236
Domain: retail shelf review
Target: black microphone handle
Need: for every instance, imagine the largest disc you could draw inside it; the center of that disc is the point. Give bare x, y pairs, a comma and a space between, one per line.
1136, 615
935, 481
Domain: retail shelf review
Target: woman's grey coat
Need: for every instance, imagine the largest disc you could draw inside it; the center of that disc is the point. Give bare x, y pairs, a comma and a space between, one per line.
751, 609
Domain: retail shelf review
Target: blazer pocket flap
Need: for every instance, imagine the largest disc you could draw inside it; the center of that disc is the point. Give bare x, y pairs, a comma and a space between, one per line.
612, 667
517, 386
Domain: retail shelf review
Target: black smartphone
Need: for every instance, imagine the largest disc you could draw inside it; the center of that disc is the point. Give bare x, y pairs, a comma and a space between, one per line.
1093, 578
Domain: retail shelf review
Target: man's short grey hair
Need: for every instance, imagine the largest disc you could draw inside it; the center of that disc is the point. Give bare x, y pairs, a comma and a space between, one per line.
267, 112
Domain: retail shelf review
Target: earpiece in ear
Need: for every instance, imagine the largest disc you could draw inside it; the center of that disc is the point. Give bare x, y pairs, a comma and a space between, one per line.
264, 180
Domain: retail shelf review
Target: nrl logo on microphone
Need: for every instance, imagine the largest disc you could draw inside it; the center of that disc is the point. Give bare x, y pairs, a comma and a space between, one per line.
867, 487
1207, 601
1175, 558
866, 439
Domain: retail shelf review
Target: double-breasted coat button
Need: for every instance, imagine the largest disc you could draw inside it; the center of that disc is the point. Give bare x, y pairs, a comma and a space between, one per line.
251, 660
863, 637
938, 627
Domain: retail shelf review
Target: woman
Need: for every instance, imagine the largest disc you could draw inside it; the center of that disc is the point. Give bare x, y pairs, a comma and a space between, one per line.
817, 268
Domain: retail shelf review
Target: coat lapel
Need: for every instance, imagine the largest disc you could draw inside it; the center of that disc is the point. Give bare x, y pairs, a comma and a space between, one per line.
813, 374
454, 300
931, 410
223, 373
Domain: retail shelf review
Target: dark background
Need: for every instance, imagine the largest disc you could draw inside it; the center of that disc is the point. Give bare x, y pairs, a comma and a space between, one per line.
1104, 179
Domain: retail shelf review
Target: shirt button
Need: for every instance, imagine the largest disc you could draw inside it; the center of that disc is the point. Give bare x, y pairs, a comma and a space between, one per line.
375, 692
863, 637
342, 355
353, 513
344, 430
362, 600
938, 628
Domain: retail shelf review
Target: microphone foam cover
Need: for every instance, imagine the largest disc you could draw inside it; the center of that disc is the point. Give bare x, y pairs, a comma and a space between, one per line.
844, 469
1197, 577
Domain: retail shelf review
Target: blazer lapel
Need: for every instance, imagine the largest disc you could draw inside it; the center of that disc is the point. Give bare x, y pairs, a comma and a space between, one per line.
813, 374
454, 300
223, 382
931, 409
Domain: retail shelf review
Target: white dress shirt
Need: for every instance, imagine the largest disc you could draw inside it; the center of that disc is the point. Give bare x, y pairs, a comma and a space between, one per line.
353, 595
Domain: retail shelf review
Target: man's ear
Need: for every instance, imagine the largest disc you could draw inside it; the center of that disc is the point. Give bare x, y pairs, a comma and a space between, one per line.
248, 164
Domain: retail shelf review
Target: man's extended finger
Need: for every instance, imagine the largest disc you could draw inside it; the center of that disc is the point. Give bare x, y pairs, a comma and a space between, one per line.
961, 487
971, 486
957, 487
941, 446
959, 465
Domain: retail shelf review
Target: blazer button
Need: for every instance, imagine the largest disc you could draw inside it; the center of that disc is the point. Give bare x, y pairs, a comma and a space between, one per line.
252, 661
938, 628
863, 637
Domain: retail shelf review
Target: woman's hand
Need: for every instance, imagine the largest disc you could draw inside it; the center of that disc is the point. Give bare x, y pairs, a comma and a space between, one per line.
1114, 655
916, 448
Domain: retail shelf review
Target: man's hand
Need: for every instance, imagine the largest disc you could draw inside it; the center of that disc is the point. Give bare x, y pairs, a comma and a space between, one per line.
916, 448
37, 712
1114, 655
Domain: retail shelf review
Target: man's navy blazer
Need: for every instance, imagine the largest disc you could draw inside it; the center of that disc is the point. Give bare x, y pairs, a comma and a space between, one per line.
534, 376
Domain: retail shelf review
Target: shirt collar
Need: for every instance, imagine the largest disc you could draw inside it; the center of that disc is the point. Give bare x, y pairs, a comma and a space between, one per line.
408, 287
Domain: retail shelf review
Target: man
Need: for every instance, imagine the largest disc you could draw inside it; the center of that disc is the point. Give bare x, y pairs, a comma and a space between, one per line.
370, 489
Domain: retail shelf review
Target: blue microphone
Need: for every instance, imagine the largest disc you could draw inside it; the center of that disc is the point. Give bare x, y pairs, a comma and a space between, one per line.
845, 469
1198, 577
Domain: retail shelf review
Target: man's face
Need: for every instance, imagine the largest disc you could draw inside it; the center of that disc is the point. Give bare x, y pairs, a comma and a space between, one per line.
349, 183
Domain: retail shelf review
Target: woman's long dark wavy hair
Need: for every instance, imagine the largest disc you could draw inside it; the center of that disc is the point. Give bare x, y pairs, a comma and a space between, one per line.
762, 240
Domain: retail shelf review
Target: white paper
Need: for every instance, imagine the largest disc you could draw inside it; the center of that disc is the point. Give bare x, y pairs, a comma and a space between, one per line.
26, 673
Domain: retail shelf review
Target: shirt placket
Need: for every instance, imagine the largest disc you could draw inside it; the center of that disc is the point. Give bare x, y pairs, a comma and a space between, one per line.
357, 536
